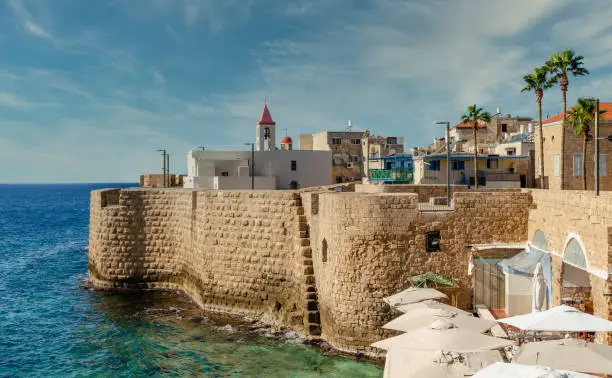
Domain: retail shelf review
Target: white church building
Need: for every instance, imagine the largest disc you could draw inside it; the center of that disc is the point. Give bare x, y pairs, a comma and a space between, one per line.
274, 168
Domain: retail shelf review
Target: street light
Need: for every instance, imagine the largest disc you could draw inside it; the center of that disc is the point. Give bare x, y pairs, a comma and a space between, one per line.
202, 148
448, 147
252, 164
164, 159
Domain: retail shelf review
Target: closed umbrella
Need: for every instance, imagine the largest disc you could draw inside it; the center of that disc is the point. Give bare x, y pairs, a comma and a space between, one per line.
414, 295
443, 335
538, 285
422, 317
569, 354
559, 319
429, 303
505, 370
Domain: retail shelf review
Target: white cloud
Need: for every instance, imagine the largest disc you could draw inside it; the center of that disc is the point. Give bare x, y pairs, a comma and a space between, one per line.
27, 21
159, 77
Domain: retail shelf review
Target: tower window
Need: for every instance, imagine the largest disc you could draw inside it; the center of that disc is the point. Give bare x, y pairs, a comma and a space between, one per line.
294, 165
267, 133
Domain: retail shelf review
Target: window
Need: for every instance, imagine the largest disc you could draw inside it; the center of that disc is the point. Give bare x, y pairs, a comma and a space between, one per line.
356, 159
356, 141
458, 165
293, 165
557, 163
603, 165
510, 151
492, 163
504, 128
224, 173
577, 165
336, 141
338, 179
434, 165
324, 250
432, 241
392, 140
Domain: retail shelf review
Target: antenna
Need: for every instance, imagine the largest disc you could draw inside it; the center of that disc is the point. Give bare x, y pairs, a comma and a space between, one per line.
286, 131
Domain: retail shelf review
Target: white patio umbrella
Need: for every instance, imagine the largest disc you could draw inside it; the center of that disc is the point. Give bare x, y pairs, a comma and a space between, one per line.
429, 303
538, 286
414, 295
443, 335
559, 319
505, 370
406, 363
422, 317
569, 354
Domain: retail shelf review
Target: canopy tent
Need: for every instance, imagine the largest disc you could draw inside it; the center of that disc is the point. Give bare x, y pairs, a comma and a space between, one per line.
414, 295
524, 263
423, 317
407, 363
505, 370
570, 354
443, 335
560, 319
429, 303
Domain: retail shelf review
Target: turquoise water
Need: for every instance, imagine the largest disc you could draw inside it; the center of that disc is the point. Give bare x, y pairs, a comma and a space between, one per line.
51, 324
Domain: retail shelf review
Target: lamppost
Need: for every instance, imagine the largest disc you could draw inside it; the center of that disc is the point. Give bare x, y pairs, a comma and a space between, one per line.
164, 153
168, 178
498, 115
252, 164
448, 147
202, 148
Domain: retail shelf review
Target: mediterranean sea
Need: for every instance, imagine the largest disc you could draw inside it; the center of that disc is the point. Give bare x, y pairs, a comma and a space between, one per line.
52, 324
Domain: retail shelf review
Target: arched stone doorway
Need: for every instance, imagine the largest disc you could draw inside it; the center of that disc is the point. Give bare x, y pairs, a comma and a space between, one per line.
575, 281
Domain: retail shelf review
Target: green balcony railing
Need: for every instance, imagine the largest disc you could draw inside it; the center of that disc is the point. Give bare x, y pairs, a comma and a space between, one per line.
393, 175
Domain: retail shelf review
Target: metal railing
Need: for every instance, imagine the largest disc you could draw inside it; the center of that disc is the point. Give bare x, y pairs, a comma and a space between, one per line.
403, 175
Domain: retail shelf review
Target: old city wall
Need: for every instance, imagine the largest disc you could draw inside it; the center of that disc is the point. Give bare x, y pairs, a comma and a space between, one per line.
424, 191
563, 215
233, 251
365, 246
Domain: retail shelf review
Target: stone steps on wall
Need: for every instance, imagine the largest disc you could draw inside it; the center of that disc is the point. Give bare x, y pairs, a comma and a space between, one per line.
313, 318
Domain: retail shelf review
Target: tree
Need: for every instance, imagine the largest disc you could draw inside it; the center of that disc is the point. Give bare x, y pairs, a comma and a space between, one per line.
473, 117
581, 117
538, 81
560, 65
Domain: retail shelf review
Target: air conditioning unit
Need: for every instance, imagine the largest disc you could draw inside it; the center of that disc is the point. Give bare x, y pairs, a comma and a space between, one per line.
349, 165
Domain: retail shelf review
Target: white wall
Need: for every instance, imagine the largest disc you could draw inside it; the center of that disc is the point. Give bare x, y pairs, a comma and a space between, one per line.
518, 294
244, 183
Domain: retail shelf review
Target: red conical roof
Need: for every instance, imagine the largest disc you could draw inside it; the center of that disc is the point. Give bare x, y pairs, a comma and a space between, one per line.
266, 118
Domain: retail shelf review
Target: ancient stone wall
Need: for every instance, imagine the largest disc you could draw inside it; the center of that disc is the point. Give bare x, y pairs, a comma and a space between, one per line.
425, 192
233, 251
572, 214
365, 247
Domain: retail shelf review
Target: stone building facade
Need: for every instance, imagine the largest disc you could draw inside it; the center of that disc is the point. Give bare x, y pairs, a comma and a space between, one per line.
317, 261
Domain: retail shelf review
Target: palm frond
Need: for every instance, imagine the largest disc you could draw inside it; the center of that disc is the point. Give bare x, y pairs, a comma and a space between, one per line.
432, 280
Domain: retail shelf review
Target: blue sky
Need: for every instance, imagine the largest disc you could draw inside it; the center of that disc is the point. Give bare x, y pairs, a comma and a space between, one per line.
90, 89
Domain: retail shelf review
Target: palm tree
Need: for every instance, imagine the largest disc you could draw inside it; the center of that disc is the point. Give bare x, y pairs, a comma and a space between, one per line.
560, 65
474, 116
538, 81
581, 117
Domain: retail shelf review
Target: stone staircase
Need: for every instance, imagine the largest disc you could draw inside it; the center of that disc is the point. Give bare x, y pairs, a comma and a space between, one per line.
312, 322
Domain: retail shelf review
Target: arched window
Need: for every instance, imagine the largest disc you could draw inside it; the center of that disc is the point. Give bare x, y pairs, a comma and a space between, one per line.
539, 240
324, 250
574, 254
294, 185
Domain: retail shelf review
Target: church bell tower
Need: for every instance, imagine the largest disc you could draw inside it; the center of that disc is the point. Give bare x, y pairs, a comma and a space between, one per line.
266, 136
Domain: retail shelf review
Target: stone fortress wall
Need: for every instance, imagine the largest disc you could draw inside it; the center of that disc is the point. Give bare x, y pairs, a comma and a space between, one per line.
313, 260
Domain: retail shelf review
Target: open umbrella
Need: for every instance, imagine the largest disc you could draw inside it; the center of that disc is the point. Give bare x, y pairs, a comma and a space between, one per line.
538, 286
505, 370
569, 354
429, 303
414, 295
422, 317
559, 319
407, 363
443, 335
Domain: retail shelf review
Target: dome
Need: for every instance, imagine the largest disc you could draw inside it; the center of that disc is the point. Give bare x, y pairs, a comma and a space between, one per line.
287, 140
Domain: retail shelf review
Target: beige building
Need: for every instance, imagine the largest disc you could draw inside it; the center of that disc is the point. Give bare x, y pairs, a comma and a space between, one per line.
376, 147
349, 149
498, 130
552, 128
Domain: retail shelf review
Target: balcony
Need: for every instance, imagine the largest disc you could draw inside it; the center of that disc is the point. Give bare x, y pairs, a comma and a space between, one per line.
403, 175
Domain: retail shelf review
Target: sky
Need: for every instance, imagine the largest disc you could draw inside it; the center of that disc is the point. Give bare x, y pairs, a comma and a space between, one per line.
89, 90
